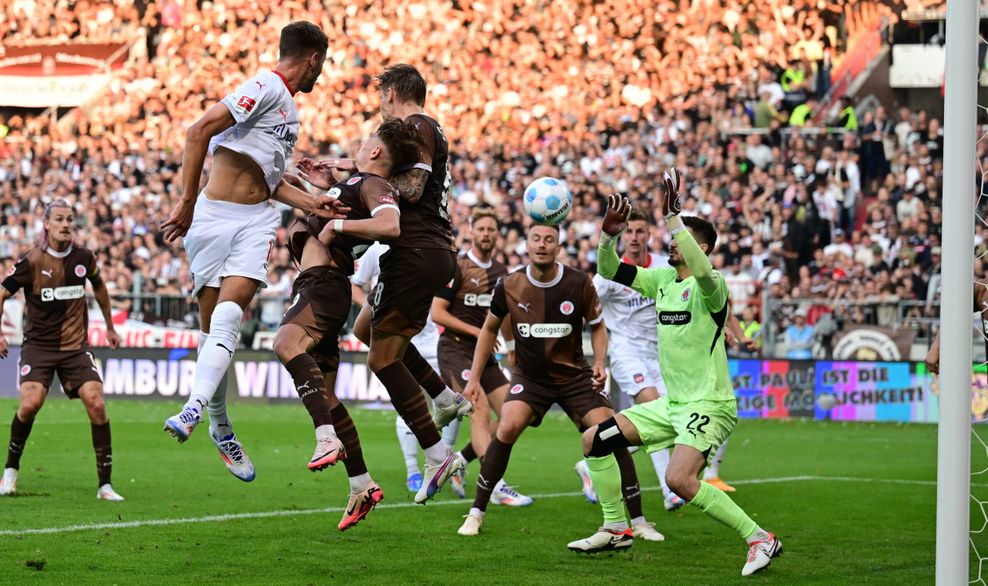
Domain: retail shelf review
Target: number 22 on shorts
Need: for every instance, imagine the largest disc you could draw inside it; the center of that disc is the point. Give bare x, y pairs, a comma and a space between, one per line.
697, 423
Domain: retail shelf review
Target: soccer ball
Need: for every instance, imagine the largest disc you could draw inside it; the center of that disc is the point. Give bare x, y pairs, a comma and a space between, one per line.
548, 200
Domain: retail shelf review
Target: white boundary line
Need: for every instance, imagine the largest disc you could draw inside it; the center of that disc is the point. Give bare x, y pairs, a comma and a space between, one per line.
406, 505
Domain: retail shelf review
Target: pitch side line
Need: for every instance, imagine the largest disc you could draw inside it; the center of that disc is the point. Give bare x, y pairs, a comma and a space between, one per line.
404, 505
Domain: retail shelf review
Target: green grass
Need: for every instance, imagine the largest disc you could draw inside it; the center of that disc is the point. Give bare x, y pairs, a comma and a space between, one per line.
836, 531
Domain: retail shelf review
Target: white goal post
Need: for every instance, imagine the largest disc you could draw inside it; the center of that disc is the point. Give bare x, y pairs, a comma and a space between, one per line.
956, 299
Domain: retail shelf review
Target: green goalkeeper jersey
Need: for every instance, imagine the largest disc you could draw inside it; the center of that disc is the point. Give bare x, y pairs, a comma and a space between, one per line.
690, 320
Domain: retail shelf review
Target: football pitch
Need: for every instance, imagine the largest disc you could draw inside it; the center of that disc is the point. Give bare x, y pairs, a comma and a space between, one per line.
853, 503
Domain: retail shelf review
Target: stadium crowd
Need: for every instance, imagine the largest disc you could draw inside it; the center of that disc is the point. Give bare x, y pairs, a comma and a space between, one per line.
602, 94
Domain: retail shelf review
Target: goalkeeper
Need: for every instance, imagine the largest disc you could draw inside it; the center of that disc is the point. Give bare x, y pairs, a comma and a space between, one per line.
700, 411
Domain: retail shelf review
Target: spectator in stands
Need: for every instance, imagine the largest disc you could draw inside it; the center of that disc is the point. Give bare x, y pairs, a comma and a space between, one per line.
799, 338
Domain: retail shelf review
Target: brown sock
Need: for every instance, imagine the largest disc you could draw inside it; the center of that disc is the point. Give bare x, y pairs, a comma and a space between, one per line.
423, 372
409, 402
347, 432
19, 431
491, 471
629, 482
468, 453
104, 453
309, 385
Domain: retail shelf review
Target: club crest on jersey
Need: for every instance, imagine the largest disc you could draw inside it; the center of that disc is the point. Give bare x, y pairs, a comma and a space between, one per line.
465, 375
517, 389
25, 370
566, 307
246, 104
685, 295
80, 271
353, 180
639, 378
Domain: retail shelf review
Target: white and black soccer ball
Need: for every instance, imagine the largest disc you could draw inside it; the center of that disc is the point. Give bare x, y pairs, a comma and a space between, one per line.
547, 200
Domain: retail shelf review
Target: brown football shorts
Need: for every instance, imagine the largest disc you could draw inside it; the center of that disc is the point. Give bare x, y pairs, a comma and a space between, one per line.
455, 359
576, 398
321, 298
410, 278
74, 368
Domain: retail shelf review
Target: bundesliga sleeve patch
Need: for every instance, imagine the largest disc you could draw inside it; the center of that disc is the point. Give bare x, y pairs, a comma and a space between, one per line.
387, 199
246, 104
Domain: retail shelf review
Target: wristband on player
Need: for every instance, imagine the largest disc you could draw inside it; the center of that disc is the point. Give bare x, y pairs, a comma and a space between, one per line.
608, 240
338, 225
509, 345
675, 224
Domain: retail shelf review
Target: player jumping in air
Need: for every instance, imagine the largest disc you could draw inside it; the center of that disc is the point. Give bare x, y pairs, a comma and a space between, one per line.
308, 339
426, 342
419, 264
548, 304
53, 275
229, 226
461, 309
699, 411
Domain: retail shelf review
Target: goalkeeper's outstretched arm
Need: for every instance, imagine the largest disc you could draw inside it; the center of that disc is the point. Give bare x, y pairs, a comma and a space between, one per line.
615, 222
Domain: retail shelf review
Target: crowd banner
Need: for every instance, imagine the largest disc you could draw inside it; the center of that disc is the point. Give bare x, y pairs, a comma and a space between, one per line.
137, 334
64, 75
765, 389
841, 391
859, 342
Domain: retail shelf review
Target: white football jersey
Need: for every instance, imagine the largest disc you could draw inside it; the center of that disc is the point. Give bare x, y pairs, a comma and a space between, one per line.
628, 315
368, 269
267, 125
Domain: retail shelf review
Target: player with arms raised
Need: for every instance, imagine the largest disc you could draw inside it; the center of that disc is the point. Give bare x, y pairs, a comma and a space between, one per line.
548, 304
229, 227
699, 410
53, 276
308, 339
630, 319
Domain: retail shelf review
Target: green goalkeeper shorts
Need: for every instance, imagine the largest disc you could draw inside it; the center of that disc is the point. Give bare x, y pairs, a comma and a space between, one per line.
703, 425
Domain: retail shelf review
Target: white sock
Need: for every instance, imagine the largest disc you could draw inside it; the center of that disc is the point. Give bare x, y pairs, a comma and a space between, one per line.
475, 512
220, 425
359, 483
713, 470
660, 461
760, 535
217, 352
445, 398
637, 521
450, 432
617, 526
409, 446
325, 431
435, 454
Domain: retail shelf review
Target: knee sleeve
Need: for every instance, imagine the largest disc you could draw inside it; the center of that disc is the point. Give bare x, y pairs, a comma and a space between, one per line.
224, 325
608, 439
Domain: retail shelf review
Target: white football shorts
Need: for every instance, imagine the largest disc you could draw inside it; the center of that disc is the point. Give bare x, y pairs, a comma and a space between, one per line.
634, 371
229, 239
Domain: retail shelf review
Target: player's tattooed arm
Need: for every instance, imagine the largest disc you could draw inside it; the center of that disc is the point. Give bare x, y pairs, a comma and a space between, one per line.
411, 184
